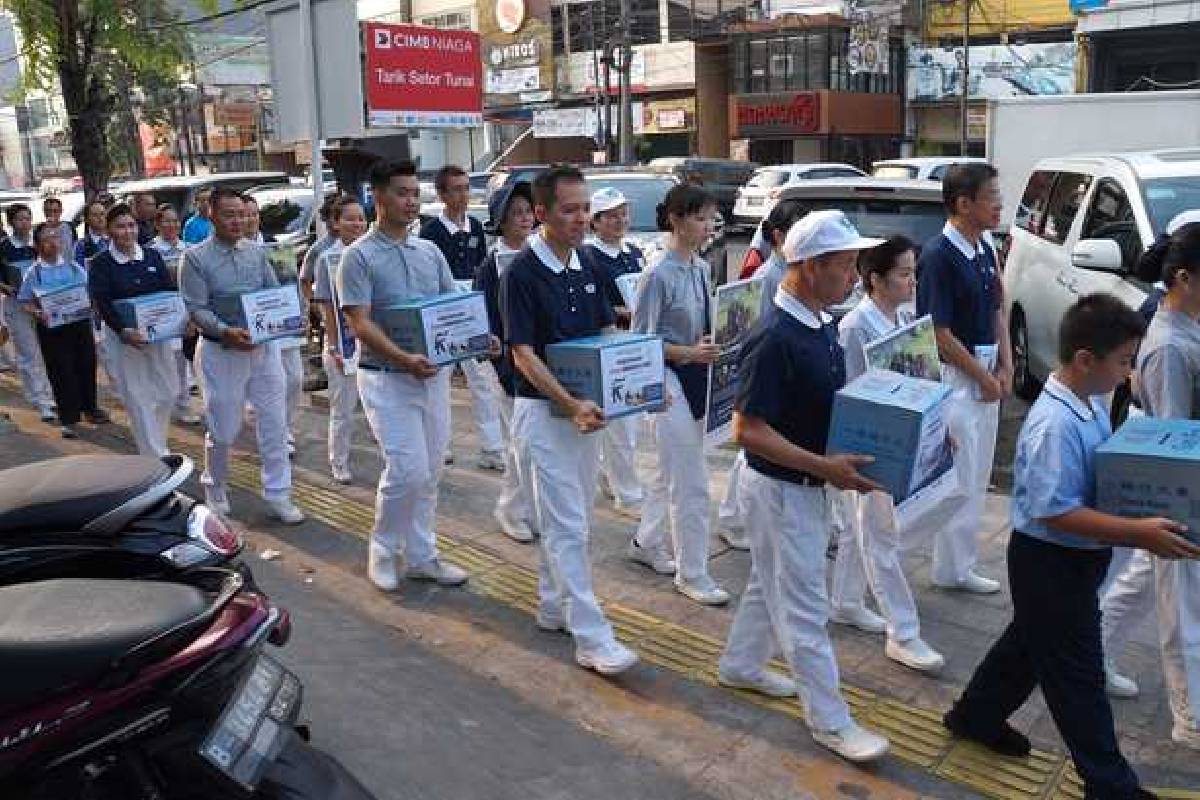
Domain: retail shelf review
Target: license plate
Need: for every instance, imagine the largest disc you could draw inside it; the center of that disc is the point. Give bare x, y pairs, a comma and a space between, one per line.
249, 733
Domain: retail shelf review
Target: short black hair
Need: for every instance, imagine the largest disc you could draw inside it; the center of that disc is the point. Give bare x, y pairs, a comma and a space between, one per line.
327, 207
783, 216
41, 228
1098, 323
10, 212
682, 200
223, 193
383, 171
249, 198
441, 178
50, 201
965, 180
118, 211
545, 185
882, 259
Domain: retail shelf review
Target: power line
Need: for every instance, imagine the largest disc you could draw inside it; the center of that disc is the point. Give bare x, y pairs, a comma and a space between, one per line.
183, 23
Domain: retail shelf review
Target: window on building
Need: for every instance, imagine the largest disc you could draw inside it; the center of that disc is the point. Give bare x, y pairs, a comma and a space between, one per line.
450, 21
558, 33
758, 66
781, 72
593, 23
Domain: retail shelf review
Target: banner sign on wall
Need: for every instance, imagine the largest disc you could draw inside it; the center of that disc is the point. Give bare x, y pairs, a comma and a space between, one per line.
414, 76
936, 74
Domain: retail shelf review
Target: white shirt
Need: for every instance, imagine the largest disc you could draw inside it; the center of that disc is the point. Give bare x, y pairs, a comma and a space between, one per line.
959, 241
451, 226
541, 248
802, 313
121, 258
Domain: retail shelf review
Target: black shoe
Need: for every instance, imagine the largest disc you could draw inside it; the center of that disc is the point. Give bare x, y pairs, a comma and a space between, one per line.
98, 417
1005, 739
69, 432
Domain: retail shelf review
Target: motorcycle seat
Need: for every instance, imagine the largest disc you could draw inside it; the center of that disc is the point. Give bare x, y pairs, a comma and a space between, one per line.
65, 494
59, 633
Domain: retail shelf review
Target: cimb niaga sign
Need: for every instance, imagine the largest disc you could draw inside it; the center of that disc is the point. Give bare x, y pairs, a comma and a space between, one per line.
419, 77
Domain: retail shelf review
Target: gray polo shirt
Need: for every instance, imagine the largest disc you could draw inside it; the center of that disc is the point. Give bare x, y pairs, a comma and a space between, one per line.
323, 273
672, 300
312, 257
378, 271
213, 269
1168, 368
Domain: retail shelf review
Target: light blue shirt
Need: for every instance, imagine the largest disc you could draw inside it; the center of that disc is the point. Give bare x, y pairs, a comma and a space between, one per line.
1055, 470
771, 272
42, 278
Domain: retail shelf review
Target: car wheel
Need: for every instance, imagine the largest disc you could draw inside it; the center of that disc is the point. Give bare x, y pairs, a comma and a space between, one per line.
1025, 385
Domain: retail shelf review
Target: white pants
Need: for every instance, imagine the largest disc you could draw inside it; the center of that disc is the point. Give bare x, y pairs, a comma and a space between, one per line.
183, 399
229, 379
677, 491
107, 353
869, 552
147, 380
23, 332
292, 359
516, 495
728, 513
618, 458
484, 405
410, 419
564, 481
343, 402
785, 600
1127, 598
973, 425
1177, 585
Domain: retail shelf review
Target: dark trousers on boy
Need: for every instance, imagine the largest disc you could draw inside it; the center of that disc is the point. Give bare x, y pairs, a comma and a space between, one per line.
69, 352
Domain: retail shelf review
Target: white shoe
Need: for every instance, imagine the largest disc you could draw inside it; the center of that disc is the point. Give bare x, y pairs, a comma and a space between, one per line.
1116, 684
551, 623
860, 617
442, 574
611, 659
772, 684
284, 510
853, 743
381, 568
516, 529
656, 558
217, 500
914, 654
706, 592
973, 583
187, 418
1186, 736
628, 508
342, 475
735, 538
291, 448
605, 487
491, 460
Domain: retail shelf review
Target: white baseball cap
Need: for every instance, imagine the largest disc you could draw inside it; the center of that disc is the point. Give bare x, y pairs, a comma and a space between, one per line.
821, 232
1181, 219
607, 199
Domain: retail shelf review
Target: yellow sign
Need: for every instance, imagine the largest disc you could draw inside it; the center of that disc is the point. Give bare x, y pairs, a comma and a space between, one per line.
669, 116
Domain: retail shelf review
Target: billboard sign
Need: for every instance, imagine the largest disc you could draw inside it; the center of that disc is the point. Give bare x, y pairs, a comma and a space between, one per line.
518, 51
420, 77
935, 74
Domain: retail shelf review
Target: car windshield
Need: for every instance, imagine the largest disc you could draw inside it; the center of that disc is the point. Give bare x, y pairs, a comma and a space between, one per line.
644, 195
895, 172
919, 221
768, 178
1167, 197
284, 215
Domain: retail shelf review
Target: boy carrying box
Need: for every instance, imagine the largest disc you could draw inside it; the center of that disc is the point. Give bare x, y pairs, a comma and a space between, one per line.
1058, 555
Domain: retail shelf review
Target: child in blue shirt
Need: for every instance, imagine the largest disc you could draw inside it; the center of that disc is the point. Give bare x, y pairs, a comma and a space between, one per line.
1058, 555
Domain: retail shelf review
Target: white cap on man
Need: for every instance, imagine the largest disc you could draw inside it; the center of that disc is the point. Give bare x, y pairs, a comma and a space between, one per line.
1181, 219
821, 232
607, 199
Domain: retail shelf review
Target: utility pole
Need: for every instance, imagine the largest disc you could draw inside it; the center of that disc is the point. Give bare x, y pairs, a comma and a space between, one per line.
964, 94
626, 108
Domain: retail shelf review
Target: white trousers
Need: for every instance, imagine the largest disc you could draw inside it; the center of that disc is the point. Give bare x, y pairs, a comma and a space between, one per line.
677, 489
23, 332
1127, 598
1177, 586
564, 482
229, 379
618, 458
183, 399
292, 359
973, 425
147, 380
107, 353
343, 402
410, 419
516, 493
785, 602
728, 513
484, 405
869, 554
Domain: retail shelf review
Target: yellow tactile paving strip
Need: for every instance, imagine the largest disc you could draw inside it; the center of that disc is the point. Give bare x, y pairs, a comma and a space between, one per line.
916, 734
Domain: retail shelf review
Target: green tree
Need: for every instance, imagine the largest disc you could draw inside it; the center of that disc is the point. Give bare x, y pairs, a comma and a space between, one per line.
91, 51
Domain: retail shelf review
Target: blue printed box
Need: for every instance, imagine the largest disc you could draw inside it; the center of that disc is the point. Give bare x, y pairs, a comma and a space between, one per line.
158, 317
1151, 468
901, 422
622, 373
444, 328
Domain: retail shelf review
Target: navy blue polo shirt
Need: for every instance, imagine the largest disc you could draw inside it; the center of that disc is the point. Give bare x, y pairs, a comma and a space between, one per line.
543, 303
464, 249
15, 259
628, 260
111, 279
960, 293
791, 367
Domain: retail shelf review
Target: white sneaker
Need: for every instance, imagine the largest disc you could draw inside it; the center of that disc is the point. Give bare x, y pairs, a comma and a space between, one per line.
381, 568
656, 558
914, 654
735, 538
769, 683
1116, 684
491, 460
187, 418
611, 659
1186, 736
291, 445
342, 475
973, 583
705, 591
516, 529
853, 743
551, 623
216, 499
284, 510
860, 617
442, 574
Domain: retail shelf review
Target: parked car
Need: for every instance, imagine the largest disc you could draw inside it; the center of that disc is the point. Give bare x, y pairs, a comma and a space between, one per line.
720, 177
1081, 226
930, 168
767, 183
181, 191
